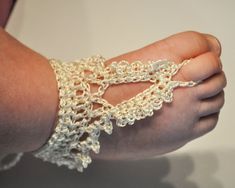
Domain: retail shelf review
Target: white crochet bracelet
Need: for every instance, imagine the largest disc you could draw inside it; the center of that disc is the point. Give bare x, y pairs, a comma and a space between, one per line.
79, 124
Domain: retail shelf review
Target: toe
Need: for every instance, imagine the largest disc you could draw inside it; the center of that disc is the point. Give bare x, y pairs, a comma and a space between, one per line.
211, 86
202, 67
211, 105
205, 125
177, 47
185, 45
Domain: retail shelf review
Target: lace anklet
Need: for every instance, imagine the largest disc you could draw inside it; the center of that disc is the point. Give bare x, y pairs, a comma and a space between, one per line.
79, 124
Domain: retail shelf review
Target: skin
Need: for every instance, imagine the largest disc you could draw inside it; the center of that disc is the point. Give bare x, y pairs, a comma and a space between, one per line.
175, 124
6, 7
29, 99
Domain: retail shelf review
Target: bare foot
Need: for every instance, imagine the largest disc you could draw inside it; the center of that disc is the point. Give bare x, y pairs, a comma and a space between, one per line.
193, 112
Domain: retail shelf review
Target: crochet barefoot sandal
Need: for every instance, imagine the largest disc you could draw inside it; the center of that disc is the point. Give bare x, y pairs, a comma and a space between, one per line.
79, 124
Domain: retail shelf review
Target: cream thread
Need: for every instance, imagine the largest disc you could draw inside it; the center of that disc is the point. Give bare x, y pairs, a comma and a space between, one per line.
79, 125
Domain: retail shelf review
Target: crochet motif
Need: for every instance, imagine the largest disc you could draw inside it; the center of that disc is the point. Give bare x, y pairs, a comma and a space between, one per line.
79, 124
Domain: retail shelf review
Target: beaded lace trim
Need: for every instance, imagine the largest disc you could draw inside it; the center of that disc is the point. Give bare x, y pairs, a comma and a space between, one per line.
79, 124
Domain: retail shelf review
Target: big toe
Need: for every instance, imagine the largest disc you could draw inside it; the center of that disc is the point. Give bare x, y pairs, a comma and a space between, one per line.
186, 45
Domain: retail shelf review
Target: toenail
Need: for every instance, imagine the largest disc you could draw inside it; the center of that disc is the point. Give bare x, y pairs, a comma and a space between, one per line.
215, 44
220, 65
218, 47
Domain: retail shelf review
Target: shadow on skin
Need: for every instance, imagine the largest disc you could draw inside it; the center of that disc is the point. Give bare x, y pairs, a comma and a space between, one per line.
172, 171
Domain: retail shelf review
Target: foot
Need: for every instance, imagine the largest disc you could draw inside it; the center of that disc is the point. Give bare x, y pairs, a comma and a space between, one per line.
193, 112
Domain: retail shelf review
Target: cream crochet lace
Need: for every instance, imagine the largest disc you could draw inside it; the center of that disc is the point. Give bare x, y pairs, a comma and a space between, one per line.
79, 124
